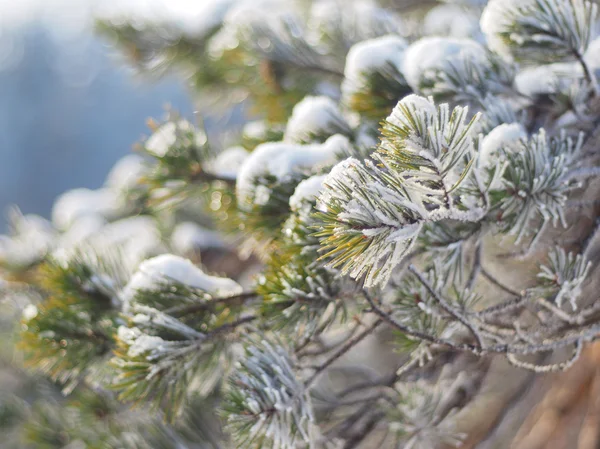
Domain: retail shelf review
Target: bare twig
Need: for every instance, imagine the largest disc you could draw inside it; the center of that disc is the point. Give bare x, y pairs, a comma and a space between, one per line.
447, 307
499, 284
340, 352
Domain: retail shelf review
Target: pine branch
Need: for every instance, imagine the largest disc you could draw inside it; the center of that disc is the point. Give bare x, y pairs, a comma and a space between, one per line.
447, 307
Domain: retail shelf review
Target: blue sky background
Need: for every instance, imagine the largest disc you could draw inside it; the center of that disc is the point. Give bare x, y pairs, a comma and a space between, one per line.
69, 108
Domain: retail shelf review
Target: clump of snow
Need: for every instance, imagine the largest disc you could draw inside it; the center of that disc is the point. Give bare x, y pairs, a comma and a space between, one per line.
314, 117
126, 173
139, 343
547, 79
197, 19
31, 238
430, 54
128, 335
189, 236
337, 145
373, 20
307, 191
502, 137
76, 203
138, 238
82, 229
282, 160
246, 17
256, 129
145, 344
356, 21
168, 267
193, 18
495, 19
135, 238
371, 56
450, 20
228, 163
166, 136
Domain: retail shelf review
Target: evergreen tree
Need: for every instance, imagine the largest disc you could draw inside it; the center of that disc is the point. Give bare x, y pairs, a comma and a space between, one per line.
411, 206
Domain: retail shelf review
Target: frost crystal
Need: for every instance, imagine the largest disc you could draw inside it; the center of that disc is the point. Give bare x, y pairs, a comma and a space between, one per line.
268, 407
565, 273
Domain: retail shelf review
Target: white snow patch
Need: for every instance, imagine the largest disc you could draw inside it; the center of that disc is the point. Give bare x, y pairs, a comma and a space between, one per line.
314, 116
126, 173
369, 57
429, 54
504, 136
228, 163
161, 141
451, 20
421, 105
307, 191
282, 159
167, 267
547, 79
76, 203
255, 129
495, 20
136, 238
144, 344
82, 229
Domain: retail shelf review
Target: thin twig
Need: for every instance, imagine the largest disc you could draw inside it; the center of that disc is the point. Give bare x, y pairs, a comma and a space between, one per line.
232, 325
476, 267
343, 350
586, 245
419, 334
209, 304
447, 307
551, 368
499, 284
585, 335
589, 74
558, 311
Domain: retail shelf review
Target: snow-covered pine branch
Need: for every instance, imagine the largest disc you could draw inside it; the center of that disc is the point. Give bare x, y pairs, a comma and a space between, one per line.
542, 31
266, 406
372, 214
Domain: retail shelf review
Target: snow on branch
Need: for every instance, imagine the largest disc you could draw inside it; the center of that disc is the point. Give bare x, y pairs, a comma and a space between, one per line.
539, 30
372, 214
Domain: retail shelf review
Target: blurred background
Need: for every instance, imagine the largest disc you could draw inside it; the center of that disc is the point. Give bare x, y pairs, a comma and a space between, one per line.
69, 106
